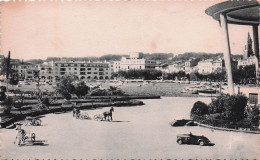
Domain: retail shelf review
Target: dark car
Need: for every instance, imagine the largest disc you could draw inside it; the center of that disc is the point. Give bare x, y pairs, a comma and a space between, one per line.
193, 139
182, 122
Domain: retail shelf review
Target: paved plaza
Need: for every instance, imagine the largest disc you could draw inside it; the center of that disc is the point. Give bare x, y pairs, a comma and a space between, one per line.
136, 132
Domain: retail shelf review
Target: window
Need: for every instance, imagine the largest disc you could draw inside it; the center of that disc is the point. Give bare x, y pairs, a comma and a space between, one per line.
75, 69
82, 69
253, 98
82, 73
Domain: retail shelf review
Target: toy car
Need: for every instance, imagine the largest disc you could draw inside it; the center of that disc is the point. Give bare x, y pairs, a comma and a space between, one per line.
193, 139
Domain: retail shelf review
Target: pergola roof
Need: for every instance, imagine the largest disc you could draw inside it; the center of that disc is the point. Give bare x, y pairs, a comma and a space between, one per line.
243, 12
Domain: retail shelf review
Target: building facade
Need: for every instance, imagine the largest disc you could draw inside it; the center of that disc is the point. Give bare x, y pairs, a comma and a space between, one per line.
132, 63
246, 62
83, 70
209, 66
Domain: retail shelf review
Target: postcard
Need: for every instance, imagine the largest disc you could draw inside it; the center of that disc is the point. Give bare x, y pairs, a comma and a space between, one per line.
128, 79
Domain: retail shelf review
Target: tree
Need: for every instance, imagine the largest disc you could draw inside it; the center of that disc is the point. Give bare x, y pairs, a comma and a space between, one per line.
81, 89
65, 87
13, 81
243, 74
249, 46
199, 108
8, 102
8, 66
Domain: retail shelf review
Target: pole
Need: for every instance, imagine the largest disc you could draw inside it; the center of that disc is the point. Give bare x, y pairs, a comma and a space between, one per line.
256, 50
227, 55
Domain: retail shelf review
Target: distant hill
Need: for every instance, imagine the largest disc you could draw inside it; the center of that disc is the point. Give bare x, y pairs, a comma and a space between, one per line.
72, 59
158, 56
163, 57
200, 56
35, 61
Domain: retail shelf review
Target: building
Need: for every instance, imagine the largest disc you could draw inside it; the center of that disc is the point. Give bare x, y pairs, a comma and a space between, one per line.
209, 66
116, 66
135, 61
19, 69
175, 67
46, 71
83, 70
248, 58
190, 65
246, 62
248, 52
24, 68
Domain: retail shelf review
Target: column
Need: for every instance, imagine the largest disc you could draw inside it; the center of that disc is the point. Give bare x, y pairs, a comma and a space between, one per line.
227, 54
256, 50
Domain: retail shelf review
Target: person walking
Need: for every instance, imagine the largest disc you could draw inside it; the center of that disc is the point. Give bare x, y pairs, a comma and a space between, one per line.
20, 135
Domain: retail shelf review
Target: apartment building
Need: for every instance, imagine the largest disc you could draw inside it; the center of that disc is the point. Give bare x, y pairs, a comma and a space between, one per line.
83, 70
116, 66
21, 69
46, 71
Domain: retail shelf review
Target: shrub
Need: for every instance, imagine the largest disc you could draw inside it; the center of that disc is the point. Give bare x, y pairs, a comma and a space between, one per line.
253, 114
232, 107
114, 91
244, 124
199, 108
217, 105
99, 92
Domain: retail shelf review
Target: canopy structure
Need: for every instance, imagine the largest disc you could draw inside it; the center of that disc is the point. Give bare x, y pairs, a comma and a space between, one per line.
238, 12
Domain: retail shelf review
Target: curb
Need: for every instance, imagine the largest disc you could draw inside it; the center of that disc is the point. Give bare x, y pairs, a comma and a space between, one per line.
225, 129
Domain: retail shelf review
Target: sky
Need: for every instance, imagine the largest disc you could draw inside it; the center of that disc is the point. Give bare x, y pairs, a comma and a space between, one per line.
37, 30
